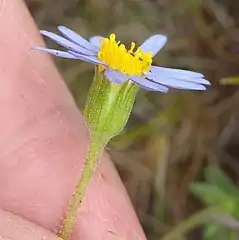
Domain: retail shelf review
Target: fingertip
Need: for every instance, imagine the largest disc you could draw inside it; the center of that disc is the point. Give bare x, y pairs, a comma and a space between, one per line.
14, 227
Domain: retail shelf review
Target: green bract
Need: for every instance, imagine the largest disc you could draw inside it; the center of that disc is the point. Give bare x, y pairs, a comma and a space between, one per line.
108, 107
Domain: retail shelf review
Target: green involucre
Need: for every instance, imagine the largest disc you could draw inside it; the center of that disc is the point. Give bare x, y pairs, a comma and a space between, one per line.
108, 106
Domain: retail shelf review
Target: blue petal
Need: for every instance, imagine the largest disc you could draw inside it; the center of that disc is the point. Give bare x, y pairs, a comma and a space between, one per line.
96, 40
69, 54
175, 83
91, 59
115, 76
179, 74
54, 52
67, 44
149, 85
154, 43
75, 37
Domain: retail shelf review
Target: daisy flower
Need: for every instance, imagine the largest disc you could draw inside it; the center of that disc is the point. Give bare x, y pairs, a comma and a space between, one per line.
120, 64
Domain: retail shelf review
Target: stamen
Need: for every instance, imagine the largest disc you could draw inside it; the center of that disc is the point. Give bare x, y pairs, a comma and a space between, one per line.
132, 47
117, 57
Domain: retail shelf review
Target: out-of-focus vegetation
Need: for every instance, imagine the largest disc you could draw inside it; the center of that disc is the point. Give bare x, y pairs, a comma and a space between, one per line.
219, 192
170, 139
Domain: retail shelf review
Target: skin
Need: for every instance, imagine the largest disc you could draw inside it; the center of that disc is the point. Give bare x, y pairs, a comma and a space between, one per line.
43, 143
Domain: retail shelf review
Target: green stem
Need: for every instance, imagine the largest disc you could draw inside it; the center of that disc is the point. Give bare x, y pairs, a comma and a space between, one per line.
90, 164
192, 222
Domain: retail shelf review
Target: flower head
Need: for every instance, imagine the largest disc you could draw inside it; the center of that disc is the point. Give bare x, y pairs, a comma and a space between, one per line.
120, 64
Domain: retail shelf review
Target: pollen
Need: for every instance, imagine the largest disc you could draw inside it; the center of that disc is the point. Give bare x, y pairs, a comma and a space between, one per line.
117, 57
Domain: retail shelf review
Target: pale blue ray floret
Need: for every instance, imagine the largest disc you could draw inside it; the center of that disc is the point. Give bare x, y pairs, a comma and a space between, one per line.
156, 78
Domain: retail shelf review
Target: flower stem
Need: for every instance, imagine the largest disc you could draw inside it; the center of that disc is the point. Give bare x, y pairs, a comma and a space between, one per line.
187, 225
91, 161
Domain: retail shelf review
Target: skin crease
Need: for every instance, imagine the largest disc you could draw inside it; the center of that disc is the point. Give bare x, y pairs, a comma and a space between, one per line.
43, 143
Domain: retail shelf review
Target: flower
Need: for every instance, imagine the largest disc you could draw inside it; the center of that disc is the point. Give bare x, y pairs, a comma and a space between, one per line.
120, 65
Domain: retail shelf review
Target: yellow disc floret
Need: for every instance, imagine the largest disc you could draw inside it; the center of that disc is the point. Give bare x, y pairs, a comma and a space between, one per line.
117, 57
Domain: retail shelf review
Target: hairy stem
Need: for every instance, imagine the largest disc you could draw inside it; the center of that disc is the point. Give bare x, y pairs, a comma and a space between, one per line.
90, 165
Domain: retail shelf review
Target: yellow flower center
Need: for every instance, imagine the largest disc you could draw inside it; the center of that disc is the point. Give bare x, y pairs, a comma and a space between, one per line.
117, 57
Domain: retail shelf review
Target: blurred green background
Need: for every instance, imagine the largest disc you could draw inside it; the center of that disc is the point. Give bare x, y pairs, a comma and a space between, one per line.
179, 153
